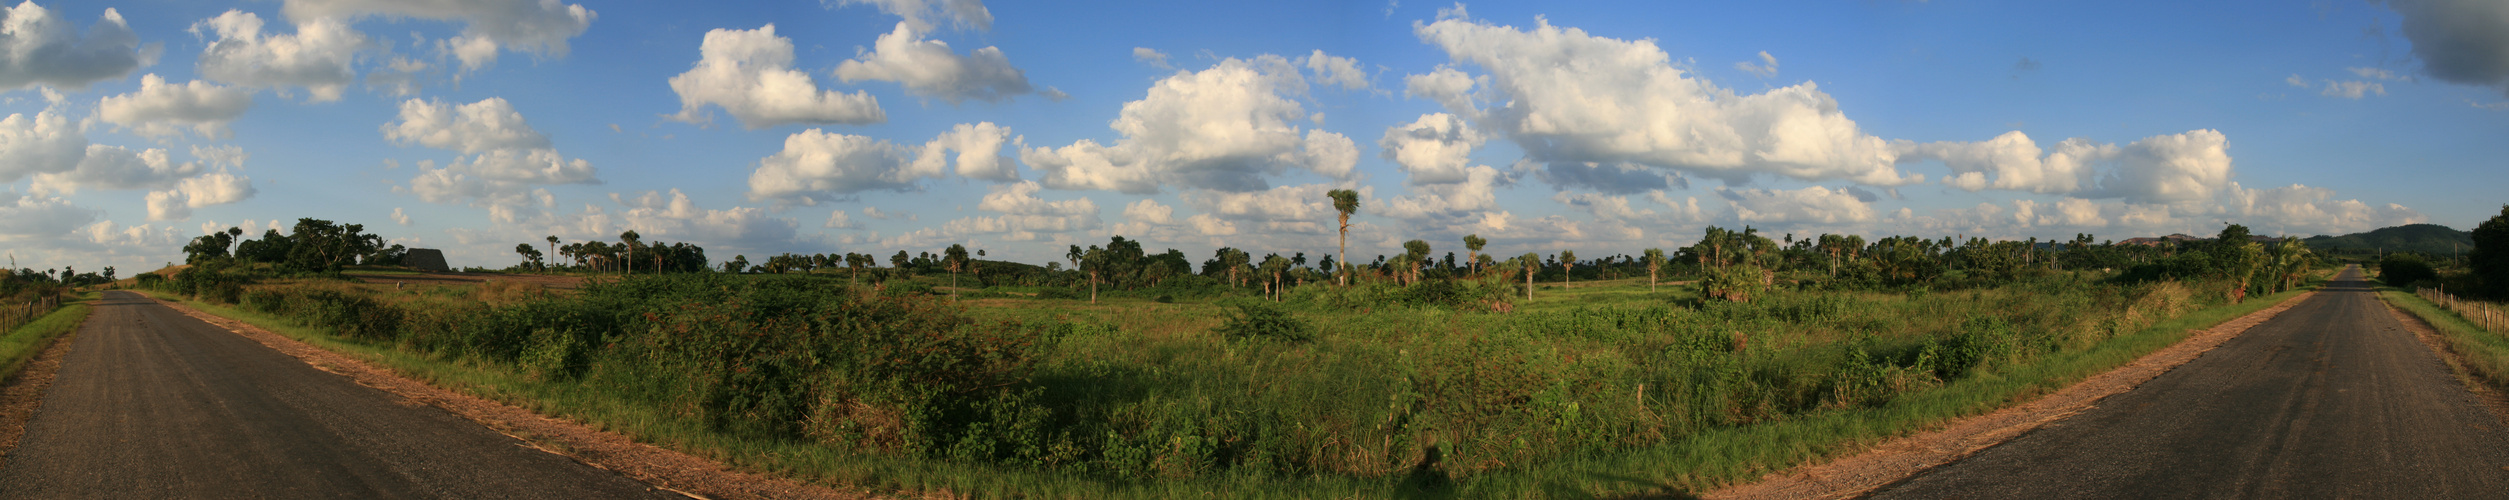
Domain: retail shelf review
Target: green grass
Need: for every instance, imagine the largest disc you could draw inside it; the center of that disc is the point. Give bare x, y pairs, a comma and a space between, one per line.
1542, 402
21, 345
2482, 355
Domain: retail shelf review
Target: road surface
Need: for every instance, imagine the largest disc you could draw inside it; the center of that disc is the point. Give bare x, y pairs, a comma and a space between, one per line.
2331, 399
151, 403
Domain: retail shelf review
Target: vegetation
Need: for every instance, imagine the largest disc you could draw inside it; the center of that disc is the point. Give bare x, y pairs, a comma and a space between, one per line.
22, 340
1410, 373
2426, 239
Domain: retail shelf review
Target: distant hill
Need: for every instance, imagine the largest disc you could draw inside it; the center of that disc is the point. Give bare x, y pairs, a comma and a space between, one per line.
2427, 239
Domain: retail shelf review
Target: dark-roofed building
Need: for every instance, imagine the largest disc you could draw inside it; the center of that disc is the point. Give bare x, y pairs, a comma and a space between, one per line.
425, 259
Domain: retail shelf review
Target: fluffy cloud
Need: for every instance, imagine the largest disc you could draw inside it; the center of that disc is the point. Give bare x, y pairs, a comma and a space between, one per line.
214, 188
44, 143
1572, 98
1024, 215
815, 164
749, 74
922, 13
2169, 168
1224, 128
1331, 70
928, 68
538, 26
979, 148
2459, 41
488, 125
39, 47
161, 109
1455, 200
36, 217
1814, 204
399, 217
2306, 209
1432, 150
839, 220
316, 57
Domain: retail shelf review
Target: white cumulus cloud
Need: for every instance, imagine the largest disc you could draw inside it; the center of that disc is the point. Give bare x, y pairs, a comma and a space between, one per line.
46, 142
929, 68
1567, 97
161, 109
317, 57
488, 125
1432, 150
1224, 128
749, 74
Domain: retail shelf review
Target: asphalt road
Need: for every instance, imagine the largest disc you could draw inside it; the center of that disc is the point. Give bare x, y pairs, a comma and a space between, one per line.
2331, 399
154, 404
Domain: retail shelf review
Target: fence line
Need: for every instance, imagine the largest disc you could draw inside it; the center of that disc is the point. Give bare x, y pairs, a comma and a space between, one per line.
17, 315
2488, 316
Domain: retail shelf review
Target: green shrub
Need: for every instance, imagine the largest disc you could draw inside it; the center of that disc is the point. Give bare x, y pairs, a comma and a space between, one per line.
1263, 320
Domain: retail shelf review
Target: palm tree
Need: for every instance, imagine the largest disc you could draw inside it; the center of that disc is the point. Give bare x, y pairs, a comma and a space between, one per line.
1347, 202
553, 244
1414, 252
1473, 244
1567, 263
1655, 261
954, 258
1530, 262
630, 237
1274, 264
1091, 261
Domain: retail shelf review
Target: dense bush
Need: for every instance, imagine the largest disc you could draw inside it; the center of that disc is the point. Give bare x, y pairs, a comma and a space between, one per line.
2404, 270
1264, 320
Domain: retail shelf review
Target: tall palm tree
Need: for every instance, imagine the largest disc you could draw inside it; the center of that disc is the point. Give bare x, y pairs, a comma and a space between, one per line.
553, 245
1414, 252
1473, 243
1655, 261
1567, 263
1530, 262
630, 238
1347, 202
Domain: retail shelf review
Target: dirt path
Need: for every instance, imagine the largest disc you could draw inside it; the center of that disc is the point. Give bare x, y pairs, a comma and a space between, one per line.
1904, 457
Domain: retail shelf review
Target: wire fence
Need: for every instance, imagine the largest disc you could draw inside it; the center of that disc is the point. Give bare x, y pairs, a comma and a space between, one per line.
2489, 316
17, 315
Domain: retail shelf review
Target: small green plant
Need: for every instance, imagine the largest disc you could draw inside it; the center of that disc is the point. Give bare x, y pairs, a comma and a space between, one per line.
1262, 320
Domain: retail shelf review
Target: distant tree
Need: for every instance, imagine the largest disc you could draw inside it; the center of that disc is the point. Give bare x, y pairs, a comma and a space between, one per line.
531, 256
2490, 258
1473, 244
1093, 261
1567, 267
1346, 202
954, 259
1414, 252
553, 247
2404, 270
1655, 262
1274, 265
900, 260
630, 239
739, 264
1530, 262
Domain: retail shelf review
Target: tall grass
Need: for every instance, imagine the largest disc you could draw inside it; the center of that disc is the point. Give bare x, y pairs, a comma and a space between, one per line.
1385, 393
19, 345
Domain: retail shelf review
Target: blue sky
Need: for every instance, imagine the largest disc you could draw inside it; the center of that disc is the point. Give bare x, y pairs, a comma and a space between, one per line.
1024, 127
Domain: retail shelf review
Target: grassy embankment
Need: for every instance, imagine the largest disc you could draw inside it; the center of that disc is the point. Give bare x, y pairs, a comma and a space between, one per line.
2480, 356
1602, 388
20, 345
